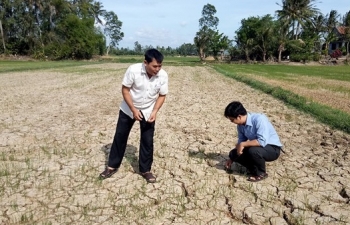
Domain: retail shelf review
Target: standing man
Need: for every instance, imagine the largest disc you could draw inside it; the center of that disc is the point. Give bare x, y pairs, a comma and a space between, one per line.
257, 142
144, 88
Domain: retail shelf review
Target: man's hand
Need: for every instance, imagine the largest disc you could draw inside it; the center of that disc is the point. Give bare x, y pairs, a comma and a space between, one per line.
137, 114
228, 164
239, 148
152, 117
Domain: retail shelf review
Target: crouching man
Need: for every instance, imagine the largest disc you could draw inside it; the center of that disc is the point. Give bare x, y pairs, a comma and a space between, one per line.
257, 143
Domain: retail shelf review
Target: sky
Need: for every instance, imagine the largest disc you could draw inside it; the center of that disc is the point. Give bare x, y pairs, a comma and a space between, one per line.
175, 22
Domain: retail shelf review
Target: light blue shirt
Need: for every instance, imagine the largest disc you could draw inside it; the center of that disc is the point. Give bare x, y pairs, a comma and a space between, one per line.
260, 128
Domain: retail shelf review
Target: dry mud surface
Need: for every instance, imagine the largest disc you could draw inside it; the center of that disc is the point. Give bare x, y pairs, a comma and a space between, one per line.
57, 125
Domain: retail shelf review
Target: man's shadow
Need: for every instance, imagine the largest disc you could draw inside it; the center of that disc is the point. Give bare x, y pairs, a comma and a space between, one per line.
130, 155
221, 159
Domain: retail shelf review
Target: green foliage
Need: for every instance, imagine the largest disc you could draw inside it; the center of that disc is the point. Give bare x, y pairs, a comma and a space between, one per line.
187, 49
256, 37
316, 57
207, 34
218, 42
58, 29
343, 50
78, 39
113, 28
301, 57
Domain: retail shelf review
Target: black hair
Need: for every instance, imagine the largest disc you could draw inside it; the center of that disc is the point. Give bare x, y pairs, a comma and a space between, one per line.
235, 109
151, 54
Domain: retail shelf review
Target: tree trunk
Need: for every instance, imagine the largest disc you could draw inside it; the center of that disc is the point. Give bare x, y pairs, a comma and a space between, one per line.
2, 36
108, 48
280, 50
201, 54
264, 56
247, 55
297, 31
326, 48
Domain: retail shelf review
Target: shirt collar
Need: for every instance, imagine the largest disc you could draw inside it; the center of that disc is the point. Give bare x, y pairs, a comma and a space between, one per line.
143, 70
249, 120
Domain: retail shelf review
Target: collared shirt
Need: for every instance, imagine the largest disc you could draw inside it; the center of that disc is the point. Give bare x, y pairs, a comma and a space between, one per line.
144, 90
258, 127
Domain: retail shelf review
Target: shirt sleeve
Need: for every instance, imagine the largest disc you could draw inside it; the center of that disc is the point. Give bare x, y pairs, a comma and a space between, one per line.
128, 79
164, 85
262, 131
241, 136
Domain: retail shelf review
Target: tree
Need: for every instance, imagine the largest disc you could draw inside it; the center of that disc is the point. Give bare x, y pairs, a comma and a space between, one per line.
346, 23
34, 27
246, 36
138, 47
201, 41
2, 36
78, 39
265, 39
330, 22
282, 38
112, 28
187, 49
207, 27
295, 13
313, 31
217, 43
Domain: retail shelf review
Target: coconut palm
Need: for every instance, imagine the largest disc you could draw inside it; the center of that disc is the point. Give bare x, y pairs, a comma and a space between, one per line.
346, 23
331, 21
295, 13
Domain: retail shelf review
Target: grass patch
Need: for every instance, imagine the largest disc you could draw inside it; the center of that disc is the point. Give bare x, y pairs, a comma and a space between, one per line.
325, 114
13, 66
285, 72
168, 60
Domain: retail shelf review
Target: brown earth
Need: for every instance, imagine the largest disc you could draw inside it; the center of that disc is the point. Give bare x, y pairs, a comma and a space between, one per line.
57, 125
333, 93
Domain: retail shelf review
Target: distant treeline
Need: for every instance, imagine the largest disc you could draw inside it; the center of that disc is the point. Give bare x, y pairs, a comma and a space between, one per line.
57, 29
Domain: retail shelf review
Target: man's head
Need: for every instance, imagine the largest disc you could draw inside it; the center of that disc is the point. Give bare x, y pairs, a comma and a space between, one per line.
153, 61
236, 113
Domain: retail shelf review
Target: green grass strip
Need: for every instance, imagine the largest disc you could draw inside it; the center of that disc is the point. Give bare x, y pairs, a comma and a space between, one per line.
18, 66
333, 117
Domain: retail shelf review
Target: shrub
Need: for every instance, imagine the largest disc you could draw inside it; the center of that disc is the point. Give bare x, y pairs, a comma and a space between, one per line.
343, 50
301, 57
336, 54
316, 57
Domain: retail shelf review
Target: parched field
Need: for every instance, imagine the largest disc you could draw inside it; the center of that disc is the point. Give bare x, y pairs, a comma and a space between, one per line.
56, 126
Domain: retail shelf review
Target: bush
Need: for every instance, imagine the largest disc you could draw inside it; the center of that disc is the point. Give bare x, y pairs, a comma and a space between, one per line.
316, 57
301, 57
343, 50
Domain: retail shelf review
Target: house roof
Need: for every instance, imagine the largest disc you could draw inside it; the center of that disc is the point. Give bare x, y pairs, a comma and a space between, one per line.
341, 30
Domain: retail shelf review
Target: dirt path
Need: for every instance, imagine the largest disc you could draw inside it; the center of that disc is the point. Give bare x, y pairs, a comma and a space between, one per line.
56, 127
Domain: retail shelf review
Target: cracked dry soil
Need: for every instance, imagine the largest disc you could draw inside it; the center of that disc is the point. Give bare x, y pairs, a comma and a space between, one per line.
57, 125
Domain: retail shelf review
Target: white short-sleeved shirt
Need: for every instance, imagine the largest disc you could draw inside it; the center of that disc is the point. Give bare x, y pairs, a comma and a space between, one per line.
144, 91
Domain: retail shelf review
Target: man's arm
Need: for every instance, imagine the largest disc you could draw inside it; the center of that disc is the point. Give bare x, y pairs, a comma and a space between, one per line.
249, 143
128, 99
157, 106
261, 134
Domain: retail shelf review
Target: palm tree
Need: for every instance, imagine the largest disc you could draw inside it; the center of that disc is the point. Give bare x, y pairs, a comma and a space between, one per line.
346, 23
331, 21
282, 30
295, 13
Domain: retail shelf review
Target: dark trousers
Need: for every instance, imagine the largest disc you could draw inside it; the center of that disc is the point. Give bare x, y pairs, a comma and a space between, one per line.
124, 126
254, 158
